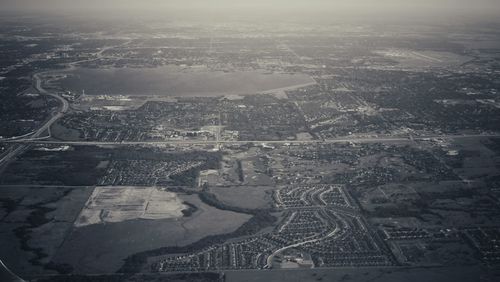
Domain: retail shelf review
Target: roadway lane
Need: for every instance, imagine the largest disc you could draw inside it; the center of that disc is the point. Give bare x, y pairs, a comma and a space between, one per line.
380, 139
22, 146
58, 115
64, 108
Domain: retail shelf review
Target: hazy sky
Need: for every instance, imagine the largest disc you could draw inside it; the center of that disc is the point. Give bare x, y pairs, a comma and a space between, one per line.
285, 8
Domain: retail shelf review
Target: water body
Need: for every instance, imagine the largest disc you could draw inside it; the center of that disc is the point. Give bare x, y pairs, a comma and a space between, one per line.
176, 81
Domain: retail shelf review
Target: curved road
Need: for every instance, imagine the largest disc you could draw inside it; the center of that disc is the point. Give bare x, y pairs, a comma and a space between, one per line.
64, 102
58, 115
64, 108
275, 253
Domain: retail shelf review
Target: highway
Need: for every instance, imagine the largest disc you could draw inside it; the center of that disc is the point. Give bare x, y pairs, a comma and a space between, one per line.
13, 152
58, 115
25, 140
374, 139
22, 146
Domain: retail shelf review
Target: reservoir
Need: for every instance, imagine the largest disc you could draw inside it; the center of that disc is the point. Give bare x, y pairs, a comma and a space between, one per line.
176, 81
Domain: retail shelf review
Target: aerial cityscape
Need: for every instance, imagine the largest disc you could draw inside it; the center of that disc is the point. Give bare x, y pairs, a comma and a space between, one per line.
247, 149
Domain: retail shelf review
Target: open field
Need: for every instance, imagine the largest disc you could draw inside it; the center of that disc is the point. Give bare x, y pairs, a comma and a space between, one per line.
175, 277
247, 197
100, 248
117, 204
419, 59
452, 274
35, 222
75, 166
474, 159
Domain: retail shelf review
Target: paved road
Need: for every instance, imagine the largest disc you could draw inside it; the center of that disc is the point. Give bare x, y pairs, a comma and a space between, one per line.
25, 141
22, 146
379, 139
14, 152
269, 261
58, 115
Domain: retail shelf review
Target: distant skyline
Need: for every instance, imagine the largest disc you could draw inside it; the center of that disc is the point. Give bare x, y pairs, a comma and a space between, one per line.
288, 9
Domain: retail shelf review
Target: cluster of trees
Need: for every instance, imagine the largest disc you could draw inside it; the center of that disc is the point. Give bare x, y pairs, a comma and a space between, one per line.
190, 209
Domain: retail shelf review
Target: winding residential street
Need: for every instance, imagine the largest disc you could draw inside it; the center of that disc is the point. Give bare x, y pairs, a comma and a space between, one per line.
275, 253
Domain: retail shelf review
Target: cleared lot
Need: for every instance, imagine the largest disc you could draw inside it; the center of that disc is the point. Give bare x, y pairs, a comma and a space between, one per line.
116, 204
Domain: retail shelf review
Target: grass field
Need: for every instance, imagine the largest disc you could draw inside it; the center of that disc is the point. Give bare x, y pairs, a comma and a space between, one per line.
451, 274
35, 222
100, 248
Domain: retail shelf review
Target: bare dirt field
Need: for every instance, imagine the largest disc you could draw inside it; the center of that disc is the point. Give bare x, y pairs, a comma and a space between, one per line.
116, 204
